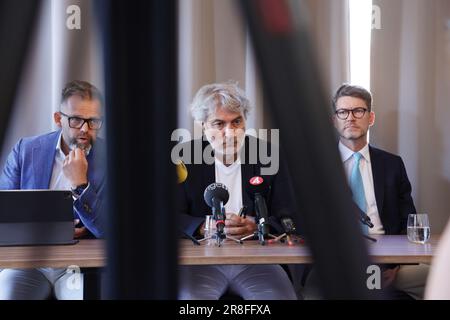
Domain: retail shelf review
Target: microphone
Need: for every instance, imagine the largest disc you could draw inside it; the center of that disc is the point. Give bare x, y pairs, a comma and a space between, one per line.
216, 196
257, 188
365, 219
182, 172
288, 225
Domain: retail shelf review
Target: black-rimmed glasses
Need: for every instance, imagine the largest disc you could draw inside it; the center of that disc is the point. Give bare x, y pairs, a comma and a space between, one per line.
358, 113
78, 123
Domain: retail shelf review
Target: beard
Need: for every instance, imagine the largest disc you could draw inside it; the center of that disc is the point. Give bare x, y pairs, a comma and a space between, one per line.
353, 134
86, 145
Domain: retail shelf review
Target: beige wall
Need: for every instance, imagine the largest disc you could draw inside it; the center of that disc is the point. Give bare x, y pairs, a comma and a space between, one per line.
214, 47
411, 87
56, 56
328, 25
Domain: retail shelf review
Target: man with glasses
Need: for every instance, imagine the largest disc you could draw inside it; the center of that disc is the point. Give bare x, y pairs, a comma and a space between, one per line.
379, 184
386, 190
66, 159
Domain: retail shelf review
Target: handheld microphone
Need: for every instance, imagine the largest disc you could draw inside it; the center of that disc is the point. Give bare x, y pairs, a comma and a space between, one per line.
216, 196
258, 188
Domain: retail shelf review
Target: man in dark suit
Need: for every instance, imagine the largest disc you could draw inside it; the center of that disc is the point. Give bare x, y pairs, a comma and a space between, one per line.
222, 111
193, 207
66, 159
385, 191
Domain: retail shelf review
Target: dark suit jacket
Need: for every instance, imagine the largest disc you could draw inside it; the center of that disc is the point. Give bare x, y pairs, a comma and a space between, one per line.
192, 207
392, 190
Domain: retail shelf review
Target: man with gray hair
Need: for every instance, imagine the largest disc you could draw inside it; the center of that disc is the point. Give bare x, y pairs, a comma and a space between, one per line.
222, 110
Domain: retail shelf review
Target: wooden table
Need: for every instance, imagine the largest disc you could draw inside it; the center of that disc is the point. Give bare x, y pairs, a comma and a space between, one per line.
388, 249
86, 253
90, 253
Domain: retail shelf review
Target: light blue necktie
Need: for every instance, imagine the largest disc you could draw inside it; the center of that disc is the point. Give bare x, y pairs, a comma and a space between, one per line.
357, 186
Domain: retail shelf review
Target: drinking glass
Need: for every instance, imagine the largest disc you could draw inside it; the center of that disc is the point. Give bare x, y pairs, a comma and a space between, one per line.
418, 228
210, 230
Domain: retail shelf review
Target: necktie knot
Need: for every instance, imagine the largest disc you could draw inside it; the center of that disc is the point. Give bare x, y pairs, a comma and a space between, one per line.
357, 156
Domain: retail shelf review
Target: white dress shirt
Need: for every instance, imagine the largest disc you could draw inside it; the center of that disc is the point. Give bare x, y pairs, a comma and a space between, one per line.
59, 180
365, 168
231, 177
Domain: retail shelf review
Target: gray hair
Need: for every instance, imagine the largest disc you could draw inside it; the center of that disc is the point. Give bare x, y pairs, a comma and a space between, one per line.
226, 95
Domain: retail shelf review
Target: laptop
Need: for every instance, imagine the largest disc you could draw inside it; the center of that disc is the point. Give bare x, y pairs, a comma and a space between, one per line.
36, 217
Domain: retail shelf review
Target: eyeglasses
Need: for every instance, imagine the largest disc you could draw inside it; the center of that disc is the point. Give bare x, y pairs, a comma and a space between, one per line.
78, 123
357, 113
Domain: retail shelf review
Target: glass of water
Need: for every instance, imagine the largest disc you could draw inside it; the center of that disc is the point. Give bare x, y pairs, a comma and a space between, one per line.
210, 230
418, 228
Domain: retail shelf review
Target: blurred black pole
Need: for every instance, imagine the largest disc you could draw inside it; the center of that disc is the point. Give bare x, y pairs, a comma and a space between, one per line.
139, 39
17, 19
296, 100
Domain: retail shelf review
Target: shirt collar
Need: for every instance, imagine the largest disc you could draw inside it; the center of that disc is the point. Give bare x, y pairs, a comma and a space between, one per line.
59, 150
347, 153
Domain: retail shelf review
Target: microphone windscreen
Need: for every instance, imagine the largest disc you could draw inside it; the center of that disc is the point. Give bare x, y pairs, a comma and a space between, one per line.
218, 191
182, 172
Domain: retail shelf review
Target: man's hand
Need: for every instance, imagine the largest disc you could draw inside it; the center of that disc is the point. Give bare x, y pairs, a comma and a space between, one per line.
239, 227
75, 167
79, 232
389, 276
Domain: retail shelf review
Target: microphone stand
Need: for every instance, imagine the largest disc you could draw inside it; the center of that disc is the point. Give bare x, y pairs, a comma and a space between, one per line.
187, 235
370, 238
291, 238
261, 216
222, 236
289, 233
219, 217
259, 233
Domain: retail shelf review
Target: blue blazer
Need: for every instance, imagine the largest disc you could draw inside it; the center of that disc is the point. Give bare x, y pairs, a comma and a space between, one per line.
30, 166
392, 190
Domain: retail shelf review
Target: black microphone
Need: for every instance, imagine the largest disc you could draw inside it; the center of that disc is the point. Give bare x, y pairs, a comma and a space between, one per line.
288, 225
216, 196
258, 188
365, 219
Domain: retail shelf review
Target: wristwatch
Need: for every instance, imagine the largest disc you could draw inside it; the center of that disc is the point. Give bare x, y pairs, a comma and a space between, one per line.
78, 190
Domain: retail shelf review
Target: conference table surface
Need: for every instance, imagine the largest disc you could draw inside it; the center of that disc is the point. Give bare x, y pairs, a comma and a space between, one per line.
90, 253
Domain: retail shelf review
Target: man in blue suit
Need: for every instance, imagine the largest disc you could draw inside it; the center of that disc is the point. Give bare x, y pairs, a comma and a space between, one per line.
67, 159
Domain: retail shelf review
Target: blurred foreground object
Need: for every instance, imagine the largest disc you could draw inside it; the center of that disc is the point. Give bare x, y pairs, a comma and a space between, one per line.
438, 284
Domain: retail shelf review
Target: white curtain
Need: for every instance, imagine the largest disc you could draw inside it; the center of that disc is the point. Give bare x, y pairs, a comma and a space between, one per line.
410, 79
56, 55
329, 28
214, 46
